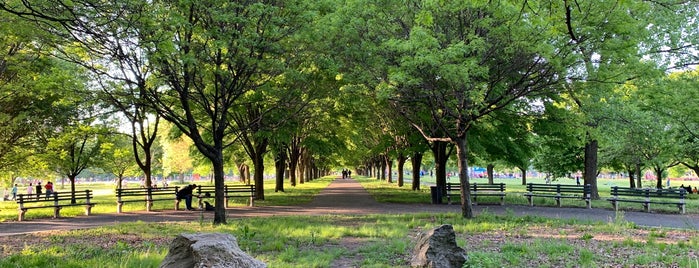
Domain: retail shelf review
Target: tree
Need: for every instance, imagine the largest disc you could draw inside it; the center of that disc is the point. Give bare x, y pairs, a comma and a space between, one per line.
461, 62
117, 157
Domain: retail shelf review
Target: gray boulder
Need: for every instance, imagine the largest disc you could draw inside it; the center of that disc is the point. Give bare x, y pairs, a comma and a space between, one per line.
211, 250
437, 248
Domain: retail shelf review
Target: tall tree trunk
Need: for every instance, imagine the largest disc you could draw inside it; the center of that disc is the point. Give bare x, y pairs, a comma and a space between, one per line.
658, 176
219, 186
462, 156
590, 173
280, 167
389, 167
490, 170
524, 175
294, 158
401, 163
639, 179
416, 161
439, 150
632, 182
383, 169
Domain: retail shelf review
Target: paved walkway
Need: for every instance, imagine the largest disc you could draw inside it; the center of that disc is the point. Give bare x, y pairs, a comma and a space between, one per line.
344, 197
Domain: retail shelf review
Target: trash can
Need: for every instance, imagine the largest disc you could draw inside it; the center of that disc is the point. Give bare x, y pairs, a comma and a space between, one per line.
436, 195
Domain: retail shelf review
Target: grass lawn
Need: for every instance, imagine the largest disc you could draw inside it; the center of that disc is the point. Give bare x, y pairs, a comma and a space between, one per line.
364, 241
391, 193
106, 200
369, 241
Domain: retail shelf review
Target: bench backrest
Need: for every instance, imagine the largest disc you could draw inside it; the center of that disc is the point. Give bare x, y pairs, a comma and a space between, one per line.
559, 188
647, 192
56, 197
477, 187
229, 190
120, 192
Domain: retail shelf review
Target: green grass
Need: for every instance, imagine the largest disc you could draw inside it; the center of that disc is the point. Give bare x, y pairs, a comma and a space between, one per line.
391, 193
365, 241
106, 200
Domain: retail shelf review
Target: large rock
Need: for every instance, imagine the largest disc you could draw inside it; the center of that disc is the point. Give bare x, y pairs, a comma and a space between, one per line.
209, 250
437, 248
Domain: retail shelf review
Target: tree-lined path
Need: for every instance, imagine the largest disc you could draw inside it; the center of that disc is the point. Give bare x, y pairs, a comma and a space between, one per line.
343, 197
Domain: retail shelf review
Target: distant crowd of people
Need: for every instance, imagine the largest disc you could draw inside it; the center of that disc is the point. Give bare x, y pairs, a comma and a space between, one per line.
32, 190
346, 173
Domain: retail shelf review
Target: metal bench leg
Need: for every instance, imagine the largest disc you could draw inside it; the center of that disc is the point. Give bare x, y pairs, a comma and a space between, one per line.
119, 205
88, 209
682, 208
225, 201
558, 201
502, 200
149, 205
531, 200
646, 206
252, 201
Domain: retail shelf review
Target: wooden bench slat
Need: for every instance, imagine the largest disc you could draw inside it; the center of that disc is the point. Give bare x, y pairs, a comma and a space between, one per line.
476, 189
648, 196
57, 202
558, 192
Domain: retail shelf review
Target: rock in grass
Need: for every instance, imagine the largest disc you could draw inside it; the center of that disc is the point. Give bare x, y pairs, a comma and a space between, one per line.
437, 248
209, 250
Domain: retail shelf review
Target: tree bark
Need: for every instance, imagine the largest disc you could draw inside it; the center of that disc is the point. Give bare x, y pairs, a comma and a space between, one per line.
658, 177
389, 167
639, 179
416, 161
632, 182
439, 150
462, 156
490, 169
280, 167
590, 173
524, 175
401, 163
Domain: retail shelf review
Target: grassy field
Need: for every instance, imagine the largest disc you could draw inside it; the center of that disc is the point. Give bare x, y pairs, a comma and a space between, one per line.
370, 241
391, 193
106, 200
367, 240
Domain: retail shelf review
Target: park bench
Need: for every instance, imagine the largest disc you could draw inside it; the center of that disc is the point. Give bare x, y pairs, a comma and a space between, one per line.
147, 195
57, 200
230, 191
558, 192
454, 190
648, 196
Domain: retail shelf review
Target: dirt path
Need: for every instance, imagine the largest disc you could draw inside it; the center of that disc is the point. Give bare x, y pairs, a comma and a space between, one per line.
343, 197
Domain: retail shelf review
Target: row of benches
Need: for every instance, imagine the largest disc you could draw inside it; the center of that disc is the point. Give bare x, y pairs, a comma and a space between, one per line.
646, 197
58, 200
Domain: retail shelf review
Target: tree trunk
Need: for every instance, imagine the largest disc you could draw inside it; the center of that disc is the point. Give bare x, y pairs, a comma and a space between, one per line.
71, 178
590, 172
462, 157
280, 167
439, 150
639, 178
389, 167
401, 163
632, 182
219, 186
658, 177
490, 169
524, 175
416, 161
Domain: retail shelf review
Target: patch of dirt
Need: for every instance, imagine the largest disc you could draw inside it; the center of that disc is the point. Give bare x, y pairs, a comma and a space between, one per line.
351, 244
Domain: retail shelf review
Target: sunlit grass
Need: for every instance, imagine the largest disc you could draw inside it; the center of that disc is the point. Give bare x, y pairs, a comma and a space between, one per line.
378, 241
